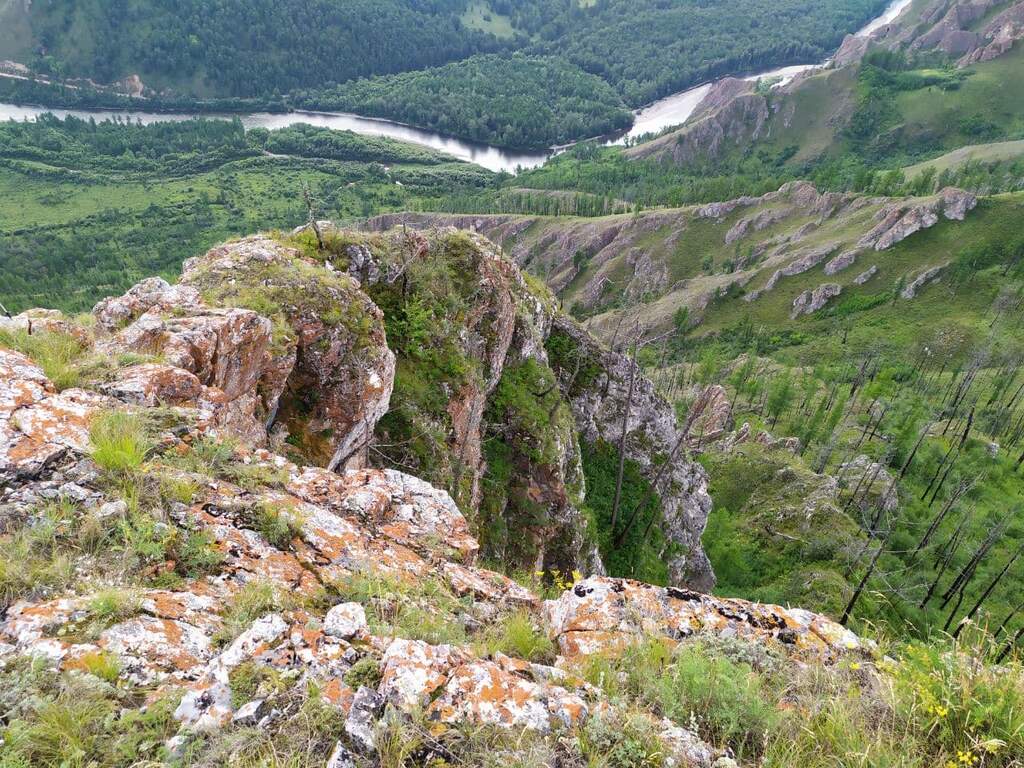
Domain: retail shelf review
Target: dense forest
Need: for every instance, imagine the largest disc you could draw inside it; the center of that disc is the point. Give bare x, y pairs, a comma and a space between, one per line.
640, 49
512, 101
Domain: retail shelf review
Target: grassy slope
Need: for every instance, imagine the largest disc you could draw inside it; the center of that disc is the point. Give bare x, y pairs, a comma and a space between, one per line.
980, 153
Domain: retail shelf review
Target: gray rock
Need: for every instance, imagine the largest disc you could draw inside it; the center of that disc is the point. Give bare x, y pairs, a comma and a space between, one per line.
249, 713
811, 301
112, 509
341, 758
866, 275
919, 282
345, 621
366, 708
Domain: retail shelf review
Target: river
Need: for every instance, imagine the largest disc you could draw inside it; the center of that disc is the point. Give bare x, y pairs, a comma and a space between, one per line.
665, 113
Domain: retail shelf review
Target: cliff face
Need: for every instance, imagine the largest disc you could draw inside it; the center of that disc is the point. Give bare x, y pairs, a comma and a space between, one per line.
426, 353
180, 451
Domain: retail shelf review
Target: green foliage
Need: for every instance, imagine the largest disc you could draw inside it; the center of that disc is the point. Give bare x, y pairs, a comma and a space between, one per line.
549, 70
643, 550
280, 525
517, 635
68, 720
366, 672
58, 354
37, 559
88, 209
120, 441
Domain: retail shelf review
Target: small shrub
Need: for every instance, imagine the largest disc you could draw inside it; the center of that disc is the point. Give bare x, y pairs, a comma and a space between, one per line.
277, 524
103, 665
629, 741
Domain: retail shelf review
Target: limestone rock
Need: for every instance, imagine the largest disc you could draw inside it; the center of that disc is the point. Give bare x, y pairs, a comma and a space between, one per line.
922, 279
652, 431
898, 221
866, 275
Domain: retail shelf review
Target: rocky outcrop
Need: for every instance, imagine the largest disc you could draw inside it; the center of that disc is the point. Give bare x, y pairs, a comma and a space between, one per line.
866, 275
709, 417
328, 378
326, 563
599, 613
602, 404
841, 262
898, 221
811, 300
870, 483
731, 114
804, 262
922, 279
317, 371
38, 425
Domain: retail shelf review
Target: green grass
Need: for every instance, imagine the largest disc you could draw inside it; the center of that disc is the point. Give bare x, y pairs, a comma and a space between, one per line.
976, 153
518, 635
120, 441
58, 354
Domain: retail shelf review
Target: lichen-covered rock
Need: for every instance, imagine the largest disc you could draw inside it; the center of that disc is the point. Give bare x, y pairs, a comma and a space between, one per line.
37, 424
866, 275
329, 373
602, 614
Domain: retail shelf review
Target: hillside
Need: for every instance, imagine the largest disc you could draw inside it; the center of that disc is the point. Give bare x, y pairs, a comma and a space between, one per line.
89, 209
608, 55
942, 77
186, 582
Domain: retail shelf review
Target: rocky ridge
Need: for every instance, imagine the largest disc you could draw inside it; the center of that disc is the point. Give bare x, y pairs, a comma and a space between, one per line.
653, 259
268, 566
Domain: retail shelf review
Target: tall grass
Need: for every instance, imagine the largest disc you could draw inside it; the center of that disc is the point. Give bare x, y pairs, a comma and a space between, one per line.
120, 441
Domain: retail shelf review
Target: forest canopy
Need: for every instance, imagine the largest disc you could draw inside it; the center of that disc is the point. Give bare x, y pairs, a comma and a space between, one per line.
450, 61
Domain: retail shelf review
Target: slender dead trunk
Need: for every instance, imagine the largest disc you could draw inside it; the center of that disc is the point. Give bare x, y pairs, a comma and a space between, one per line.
622, 441
860, 587
988, 591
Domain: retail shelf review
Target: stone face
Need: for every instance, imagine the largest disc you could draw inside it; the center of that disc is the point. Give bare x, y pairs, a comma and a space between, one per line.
872, 483
37, 424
